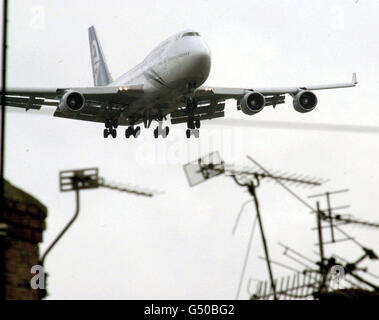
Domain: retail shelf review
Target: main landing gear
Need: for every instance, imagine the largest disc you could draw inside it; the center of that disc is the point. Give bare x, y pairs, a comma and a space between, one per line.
110, 128
111, 125
193, 126
193, 122
131, 131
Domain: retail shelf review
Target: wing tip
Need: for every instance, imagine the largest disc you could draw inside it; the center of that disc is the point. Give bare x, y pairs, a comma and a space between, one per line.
354, 79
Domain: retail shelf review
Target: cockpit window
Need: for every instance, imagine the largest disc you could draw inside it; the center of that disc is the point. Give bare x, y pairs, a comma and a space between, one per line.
190, 34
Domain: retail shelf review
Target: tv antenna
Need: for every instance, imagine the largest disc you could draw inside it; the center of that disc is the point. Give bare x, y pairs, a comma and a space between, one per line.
83, 179
212, 165
327, 267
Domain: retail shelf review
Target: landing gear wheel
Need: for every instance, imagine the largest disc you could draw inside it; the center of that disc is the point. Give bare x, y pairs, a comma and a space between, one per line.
197, 123
115, 123
108, 124
190, 123
136, 132
156, 133
165, 132
188, 133
127, 133
113, 133
105, 133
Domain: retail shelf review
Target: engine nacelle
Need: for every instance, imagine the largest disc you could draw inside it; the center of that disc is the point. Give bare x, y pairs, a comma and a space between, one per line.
252, 102
304, 101
71, 102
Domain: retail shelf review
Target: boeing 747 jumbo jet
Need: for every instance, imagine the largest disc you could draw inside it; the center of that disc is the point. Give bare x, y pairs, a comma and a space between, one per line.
167, 82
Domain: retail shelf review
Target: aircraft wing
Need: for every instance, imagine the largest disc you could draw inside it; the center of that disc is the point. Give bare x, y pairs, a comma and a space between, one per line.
96, 99
235, 93
211, 100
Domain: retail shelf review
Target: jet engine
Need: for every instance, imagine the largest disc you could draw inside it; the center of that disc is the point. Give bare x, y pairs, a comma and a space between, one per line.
71, 102
252, 102
304, 101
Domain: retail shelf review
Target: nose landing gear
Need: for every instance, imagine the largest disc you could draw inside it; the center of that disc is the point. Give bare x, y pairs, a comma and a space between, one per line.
191, 86
160, 131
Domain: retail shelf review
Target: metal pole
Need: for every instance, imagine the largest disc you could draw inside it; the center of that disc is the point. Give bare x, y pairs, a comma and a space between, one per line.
319, 229
2, 183
64, 229
246, 258
253, 193
3, 90
323, 269
330, 215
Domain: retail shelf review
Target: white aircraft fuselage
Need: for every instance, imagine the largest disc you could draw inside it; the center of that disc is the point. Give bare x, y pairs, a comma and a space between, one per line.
176, 66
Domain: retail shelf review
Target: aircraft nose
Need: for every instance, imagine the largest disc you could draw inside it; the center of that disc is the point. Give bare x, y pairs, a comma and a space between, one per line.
200, 62
203, 58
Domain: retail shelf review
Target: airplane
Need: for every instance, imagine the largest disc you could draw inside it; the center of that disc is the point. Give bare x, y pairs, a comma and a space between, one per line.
168, 82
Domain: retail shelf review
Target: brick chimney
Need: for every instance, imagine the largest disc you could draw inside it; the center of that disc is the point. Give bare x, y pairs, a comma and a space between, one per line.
24, 218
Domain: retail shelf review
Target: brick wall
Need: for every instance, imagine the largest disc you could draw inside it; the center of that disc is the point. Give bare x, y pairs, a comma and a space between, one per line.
25, 219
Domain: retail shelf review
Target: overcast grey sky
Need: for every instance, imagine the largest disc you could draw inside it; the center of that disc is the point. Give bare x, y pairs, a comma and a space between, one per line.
179, 245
